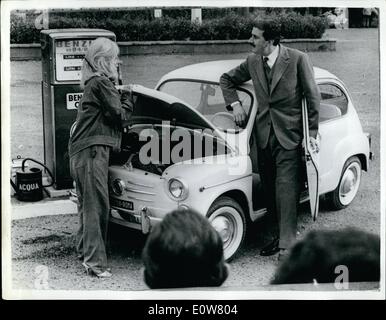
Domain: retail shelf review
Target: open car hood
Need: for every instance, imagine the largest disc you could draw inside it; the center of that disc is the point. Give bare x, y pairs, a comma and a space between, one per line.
154, 107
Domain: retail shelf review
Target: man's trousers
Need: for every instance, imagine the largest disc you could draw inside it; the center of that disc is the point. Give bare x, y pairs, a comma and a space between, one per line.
280, 172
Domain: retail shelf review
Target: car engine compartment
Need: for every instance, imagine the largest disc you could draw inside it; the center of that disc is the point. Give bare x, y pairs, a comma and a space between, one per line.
133, 149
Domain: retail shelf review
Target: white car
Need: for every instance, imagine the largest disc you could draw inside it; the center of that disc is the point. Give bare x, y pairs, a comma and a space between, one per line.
222, 183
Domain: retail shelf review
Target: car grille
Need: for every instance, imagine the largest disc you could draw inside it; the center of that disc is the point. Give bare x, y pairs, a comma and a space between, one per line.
140, 192
140, 187
143, 189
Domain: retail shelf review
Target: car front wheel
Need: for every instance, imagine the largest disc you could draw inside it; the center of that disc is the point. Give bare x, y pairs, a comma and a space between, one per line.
348, 185
228, 218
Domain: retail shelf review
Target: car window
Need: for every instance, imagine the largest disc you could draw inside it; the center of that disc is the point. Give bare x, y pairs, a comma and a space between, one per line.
333, 102
207, 99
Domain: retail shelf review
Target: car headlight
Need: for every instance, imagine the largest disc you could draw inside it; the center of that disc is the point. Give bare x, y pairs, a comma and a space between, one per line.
178, 189
118, 186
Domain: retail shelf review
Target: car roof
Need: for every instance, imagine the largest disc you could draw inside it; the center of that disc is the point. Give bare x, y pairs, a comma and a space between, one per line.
211, 71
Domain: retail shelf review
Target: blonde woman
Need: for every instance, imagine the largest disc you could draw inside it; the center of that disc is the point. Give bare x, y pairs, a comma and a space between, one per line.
101, 114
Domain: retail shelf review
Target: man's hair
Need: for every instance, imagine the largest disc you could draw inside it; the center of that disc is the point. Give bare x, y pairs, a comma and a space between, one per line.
98, 60
271, 29
320, 252
184, 250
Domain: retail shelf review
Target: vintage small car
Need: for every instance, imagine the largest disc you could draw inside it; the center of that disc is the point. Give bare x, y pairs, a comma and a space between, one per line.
218, 175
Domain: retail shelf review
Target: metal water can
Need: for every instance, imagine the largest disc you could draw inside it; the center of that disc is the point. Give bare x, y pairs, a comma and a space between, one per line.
29, 186
15, 166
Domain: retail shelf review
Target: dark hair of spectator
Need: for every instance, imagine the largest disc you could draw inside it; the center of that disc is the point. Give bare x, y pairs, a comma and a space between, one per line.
184, 250
271, 29
319, 254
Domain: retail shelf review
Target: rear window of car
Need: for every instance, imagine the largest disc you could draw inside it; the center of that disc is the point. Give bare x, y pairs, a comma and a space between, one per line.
333, 102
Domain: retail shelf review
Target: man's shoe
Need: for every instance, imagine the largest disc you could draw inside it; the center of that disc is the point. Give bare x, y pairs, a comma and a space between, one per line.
271, 248
283, 254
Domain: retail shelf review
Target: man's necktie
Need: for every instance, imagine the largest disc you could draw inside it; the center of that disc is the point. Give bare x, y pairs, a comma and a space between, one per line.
267, 71
265, 59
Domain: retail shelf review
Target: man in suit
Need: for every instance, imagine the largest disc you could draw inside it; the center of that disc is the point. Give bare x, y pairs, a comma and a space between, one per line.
281, 78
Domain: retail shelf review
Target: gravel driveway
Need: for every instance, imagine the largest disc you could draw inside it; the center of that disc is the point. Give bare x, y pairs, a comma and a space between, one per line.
49, 241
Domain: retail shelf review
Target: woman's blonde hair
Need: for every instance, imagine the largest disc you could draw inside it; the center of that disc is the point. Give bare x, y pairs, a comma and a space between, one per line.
99, 59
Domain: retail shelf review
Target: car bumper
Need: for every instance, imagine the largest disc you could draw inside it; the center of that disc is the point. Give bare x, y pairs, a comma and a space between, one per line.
371, 155
142, 220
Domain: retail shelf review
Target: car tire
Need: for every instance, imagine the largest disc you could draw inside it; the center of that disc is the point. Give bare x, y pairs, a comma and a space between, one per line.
348, 185
228, 218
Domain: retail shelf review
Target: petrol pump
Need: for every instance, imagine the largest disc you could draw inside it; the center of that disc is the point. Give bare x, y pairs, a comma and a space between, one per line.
63, 51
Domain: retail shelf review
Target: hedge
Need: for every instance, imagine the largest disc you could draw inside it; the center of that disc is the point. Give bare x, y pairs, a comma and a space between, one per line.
229, 27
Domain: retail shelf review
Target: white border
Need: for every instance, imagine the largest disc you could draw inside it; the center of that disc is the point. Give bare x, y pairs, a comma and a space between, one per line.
7, 6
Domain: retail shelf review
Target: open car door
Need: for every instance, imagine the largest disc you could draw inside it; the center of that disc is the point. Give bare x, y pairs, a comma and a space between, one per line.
312, 165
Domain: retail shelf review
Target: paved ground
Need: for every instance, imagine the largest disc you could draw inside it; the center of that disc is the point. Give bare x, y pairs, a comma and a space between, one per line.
49, 240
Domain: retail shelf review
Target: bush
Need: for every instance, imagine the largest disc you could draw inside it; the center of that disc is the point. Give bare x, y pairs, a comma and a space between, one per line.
22, 32
295, 25
227, 27
176, 13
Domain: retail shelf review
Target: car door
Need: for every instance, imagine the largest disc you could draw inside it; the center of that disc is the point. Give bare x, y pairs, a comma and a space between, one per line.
332, 128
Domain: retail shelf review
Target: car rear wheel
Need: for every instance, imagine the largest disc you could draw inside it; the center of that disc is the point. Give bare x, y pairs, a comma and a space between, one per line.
348, 185
228, 218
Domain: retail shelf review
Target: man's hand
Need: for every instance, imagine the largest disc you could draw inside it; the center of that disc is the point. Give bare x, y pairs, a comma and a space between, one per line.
239, 114
314, 143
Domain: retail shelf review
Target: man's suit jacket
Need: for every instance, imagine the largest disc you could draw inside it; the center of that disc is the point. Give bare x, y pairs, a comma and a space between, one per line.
292, 78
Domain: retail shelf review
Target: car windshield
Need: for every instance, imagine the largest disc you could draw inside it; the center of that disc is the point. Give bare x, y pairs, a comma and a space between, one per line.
207, 99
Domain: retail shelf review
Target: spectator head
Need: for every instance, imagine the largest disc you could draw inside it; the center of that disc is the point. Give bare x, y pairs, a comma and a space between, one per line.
184, 250
318, 255
101, 59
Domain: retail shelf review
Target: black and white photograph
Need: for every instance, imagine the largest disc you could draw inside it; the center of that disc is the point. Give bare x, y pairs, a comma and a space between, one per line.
193, 150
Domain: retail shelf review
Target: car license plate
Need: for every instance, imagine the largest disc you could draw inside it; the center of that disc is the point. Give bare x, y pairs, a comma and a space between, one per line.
128, 205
